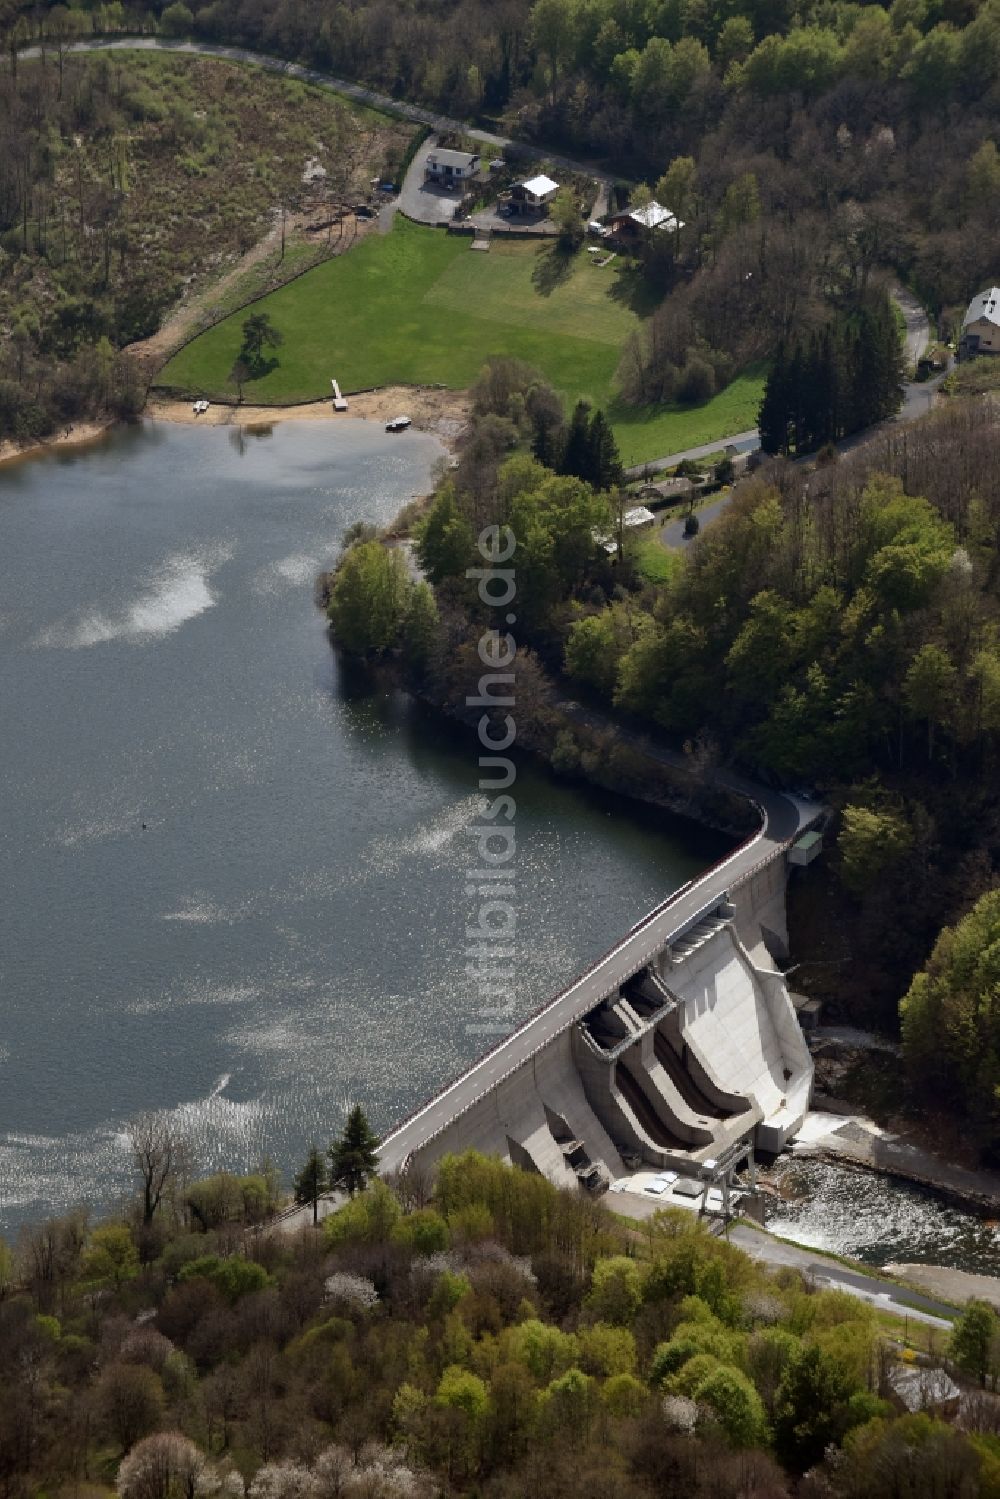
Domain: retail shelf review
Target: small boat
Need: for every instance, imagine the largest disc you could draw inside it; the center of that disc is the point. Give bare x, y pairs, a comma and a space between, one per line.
398, 424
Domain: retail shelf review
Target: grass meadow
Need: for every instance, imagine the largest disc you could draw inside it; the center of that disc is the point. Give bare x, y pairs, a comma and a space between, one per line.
419, 307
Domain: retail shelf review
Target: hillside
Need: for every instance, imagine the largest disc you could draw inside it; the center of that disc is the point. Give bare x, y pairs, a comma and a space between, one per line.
415, 307
496, 1338
129, 183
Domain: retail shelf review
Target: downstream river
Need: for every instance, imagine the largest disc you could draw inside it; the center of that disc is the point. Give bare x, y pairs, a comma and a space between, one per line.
233, 880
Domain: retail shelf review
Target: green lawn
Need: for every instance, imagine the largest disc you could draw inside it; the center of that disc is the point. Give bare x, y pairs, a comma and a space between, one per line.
419, 307
654, 562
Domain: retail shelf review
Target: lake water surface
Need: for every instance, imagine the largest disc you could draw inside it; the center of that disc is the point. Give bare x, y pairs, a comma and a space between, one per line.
233, 883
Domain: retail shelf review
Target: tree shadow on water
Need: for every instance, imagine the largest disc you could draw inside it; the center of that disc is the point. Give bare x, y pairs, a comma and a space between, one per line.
552, 267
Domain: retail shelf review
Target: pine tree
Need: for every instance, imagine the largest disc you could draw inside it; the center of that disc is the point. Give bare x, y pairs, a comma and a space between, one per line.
773, 416
796, 397
576, 454
354, 1157
603, 460
312, 1180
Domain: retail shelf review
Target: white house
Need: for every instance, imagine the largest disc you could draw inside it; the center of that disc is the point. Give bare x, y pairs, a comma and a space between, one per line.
451, 168
981, 326
533, 195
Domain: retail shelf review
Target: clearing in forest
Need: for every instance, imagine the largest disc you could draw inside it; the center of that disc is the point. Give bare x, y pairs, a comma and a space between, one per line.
415, 307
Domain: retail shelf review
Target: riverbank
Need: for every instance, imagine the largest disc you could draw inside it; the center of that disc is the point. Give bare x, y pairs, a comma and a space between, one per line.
853, 1139
941, 1281
77, 435
442, 413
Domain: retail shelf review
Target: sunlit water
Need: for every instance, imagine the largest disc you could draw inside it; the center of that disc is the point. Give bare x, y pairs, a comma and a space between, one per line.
233, 882
878, 1219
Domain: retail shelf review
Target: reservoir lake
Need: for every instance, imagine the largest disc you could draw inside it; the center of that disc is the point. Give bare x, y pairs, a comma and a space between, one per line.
233, 875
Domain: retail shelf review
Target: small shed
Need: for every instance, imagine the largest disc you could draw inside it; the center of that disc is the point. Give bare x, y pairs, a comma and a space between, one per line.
805, 849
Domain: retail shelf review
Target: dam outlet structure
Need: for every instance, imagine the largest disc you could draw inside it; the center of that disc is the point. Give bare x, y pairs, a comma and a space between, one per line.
679, 1050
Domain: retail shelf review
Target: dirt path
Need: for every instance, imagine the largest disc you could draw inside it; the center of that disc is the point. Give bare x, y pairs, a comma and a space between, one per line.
187, 317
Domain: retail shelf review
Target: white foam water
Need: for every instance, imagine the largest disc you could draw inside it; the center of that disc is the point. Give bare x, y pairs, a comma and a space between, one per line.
179, 591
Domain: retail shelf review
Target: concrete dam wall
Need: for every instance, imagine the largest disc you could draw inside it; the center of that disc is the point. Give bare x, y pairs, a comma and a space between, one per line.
679, 1044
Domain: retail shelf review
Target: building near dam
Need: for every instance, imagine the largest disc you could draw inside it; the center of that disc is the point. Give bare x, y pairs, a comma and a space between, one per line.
678, 1050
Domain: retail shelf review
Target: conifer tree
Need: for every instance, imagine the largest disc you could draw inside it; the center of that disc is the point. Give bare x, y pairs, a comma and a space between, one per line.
576, 454
772, 419
354, 1156
605, 468
312, 1180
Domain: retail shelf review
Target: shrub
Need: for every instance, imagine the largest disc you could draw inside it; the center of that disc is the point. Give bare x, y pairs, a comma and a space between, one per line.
616, 1290
696, 383
234, 1277
177, 20
624, 1395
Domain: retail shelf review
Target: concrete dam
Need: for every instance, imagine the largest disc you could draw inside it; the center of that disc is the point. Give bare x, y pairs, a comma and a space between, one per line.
679, 1049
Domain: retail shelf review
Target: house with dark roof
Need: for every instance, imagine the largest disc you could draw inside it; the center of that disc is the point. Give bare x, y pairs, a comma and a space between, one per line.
447, 168
636, 224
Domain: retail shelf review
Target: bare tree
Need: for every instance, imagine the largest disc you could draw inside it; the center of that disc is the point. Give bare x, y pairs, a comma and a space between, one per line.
156, 1153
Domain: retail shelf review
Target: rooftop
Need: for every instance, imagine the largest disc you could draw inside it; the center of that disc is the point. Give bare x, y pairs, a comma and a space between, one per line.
540, 185
654, 216
921, 1389
986, 305
448, 158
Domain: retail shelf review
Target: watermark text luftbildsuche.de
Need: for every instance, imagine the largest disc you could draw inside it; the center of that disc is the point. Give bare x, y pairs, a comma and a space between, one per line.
491, 935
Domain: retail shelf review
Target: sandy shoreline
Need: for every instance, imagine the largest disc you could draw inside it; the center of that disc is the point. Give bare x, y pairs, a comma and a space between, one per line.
443, 413
79, 436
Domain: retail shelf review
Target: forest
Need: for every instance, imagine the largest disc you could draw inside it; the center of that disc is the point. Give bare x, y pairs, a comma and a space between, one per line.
837, 627
490, 1336
129, 183
811, 151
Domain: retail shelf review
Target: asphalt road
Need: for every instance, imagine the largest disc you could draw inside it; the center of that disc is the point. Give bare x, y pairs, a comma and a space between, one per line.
743, 442
356, 91
887, 1294
918, 328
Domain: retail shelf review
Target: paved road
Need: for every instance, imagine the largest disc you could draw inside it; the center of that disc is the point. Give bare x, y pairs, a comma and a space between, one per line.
743, 442
918, 328
887, 1295
783, 817
881, 1293
673, 536
356, 91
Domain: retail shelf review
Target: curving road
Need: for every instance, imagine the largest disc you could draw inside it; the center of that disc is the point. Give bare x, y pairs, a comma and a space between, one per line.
358, 92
